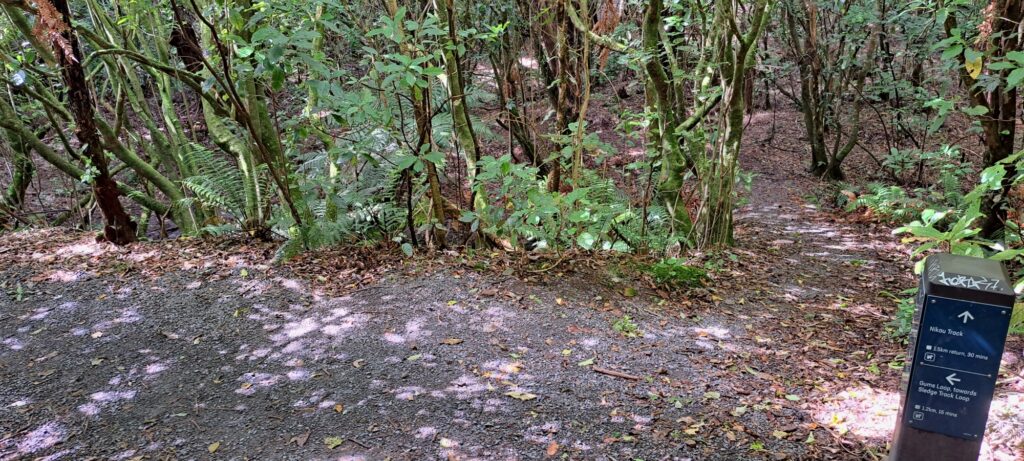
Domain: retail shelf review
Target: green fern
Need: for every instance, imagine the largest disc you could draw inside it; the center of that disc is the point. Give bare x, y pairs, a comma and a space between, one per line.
889, 203
220, 185
365, 208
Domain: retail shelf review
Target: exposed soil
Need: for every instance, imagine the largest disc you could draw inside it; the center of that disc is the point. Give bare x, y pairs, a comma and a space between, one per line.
200, 350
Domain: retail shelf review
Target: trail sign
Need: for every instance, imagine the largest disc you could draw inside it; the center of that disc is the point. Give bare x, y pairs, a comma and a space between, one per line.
963, 313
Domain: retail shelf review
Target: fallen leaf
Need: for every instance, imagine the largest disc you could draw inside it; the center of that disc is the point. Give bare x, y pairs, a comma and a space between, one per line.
524, 396
552, 448
98, 361
338, 408
452, 341
712, 395
333, 442
413, 358
780, 434
300, 439
96, 334
446, 442
586, 363
213, 447
792, 397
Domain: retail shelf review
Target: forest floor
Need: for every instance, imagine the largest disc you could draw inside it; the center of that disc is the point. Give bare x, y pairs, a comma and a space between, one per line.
203, 350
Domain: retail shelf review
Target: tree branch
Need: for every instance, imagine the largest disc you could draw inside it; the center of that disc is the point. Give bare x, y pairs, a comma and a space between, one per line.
600, 40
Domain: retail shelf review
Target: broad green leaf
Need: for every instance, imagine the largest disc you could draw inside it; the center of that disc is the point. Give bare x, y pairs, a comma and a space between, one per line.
1002, 65
953, 51
1014, 78
1016, 56
586, 240
976, 111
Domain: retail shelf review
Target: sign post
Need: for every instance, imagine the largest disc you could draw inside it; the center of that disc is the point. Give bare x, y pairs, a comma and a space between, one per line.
960, 325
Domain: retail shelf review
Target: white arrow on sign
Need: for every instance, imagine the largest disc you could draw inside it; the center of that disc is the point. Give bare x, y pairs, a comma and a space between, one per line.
952, 379
966, 315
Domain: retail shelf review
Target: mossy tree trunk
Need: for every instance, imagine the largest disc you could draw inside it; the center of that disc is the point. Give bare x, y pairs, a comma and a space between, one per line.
735, 53
461, 120
23, 170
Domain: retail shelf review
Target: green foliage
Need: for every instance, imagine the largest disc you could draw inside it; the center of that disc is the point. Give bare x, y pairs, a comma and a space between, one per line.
361, 209
887, 203
961, 236
627, 327
1017, 320
219, 185
956, 230
675, 273
590, 217
903, 321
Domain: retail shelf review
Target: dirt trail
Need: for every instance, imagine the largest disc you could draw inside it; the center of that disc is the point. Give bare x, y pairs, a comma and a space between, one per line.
782, 358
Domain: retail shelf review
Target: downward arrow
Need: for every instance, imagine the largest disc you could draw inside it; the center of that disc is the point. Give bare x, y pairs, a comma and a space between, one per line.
952, 379
966, 315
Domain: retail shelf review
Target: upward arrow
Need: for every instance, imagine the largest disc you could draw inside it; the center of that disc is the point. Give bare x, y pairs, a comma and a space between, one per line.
966, 315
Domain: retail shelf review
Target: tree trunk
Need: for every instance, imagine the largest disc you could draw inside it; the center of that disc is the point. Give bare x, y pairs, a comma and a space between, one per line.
118, 226
461, 120
426, 139
736, 53
662, 100
24, 169
715, 220
999, 124
808, 66
1001, 129
835, 161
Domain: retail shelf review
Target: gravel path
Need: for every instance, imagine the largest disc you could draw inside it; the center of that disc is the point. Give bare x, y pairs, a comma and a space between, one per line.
784, 356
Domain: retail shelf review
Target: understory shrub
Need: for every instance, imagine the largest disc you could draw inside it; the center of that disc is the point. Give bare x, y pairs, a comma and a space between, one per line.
675, 273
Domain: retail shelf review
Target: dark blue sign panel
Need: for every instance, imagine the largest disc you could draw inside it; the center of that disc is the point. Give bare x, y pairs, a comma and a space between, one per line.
956, 363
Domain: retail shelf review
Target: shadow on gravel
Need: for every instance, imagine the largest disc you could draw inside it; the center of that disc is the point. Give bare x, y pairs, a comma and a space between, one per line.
444, 366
